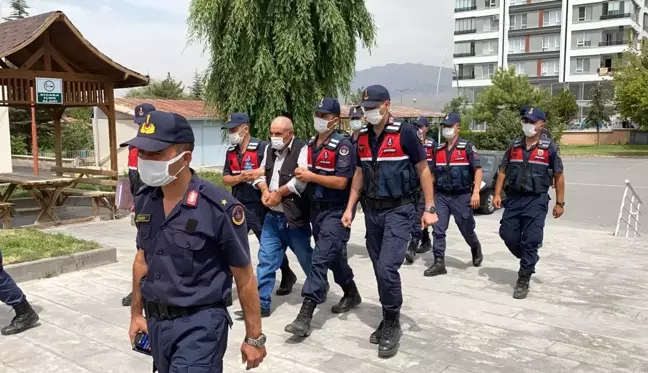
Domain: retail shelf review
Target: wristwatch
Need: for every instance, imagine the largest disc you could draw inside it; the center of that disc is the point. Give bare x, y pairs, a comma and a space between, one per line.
431, 210
259, 342
561, 204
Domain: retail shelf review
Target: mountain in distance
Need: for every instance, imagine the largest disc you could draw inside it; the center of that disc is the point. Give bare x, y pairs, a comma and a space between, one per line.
420, 79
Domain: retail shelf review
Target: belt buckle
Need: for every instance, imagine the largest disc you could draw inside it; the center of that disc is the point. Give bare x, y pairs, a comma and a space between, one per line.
163, 310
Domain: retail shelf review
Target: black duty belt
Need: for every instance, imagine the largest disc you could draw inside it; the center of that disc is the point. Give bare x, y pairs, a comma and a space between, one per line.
328, 205
386, 204
164, 312
454, 191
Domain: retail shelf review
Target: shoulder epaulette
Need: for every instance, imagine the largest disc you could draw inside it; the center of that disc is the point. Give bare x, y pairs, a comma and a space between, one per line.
334, 141
462, 144
441, 145
217, 196
544, 143
517, 143
364, 129
393, 128
231, 148
312, 140
253, 144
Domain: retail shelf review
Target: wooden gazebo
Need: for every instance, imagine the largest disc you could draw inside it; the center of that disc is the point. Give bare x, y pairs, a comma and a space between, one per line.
45, 61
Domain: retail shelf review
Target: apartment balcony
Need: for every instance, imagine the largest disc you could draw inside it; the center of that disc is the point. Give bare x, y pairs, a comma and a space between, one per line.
467, 54
466, 9
534, 55
535, 6
552, 29
609, 43
464, 77
615, 16
465, 32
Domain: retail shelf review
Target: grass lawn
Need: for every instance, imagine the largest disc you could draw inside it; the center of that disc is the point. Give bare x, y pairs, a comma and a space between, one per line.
25, 245
606, 150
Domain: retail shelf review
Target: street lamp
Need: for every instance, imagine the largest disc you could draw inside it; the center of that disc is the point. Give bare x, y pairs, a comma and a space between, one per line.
401, 94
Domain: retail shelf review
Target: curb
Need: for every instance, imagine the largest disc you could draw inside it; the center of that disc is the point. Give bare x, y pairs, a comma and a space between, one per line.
50, 267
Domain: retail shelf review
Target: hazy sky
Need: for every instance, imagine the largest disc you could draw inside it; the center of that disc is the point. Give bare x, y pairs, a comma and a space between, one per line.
149, 36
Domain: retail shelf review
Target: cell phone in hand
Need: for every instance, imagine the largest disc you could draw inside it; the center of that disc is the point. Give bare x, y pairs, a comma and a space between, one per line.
142, 344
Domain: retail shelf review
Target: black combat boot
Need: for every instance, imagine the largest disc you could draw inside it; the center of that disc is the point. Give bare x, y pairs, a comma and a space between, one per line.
374, 339
391, 335
288, 280
522, 286
301, 327
410, 254
477, 256
127, 300
25, 318
426, 243
438, 268
350, 300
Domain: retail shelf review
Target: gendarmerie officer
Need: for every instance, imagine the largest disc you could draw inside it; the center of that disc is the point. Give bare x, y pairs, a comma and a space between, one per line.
418, 235
390, 155
526, 174
328, 174
141, 111
242, 167
192, 237
458, 182
355, 122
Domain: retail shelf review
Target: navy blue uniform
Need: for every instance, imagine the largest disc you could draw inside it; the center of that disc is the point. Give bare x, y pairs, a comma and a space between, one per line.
430, 149
389, 178
454, 177
334, 157
189, 254
10, 293
529, 174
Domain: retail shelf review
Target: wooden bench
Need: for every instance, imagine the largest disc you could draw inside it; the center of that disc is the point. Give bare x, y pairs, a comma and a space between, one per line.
90, 176
5, 214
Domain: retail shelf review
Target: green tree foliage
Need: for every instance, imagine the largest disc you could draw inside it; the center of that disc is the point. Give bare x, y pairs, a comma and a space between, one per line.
19, 10
597, 115
509, 92
499, 134
197, 88
168, 88
456, 105
76, 136
272, 57
20, 125
561, 111
631, 85
354, 98
79, 114
18, 145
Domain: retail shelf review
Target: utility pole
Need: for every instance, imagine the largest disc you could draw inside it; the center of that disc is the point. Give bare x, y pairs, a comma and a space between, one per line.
401, 94
441, 68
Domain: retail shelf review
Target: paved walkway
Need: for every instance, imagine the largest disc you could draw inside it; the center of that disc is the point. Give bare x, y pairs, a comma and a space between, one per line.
586, 313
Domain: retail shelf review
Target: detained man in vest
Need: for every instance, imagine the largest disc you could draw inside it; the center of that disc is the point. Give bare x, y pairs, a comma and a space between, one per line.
242, 167
526, 174
391, 161
458, 182
328, 172
418, 235
141, 111
287, 222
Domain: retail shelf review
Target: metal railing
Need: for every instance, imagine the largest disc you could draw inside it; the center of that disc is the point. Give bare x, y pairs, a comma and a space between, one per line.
629, 214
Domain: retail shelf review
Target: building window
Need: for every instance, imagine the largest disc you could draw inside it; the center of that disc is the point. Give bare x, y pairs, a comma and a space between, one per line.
551, 18
488, 70
517, 45
550, 43
584, 14
583, 40
465, 24
490, 3
518, 67
463, 48
463, 4
518, 2
518, 21
582, 65
614, 7
491, 24
549, 68
490, 47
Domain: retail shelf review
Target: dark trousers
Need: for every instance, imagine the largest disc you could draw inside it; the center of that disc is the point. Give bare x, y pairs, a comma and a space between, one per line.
522, 226
458, 206
388, 234
10, 293
331, 238
193, 343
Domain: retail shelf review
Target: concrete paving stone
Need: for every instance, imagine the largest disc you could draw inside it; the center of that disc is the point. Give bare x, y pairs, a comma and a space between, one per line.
604, 344
14, 348
62, 342
7, 369
46, 362
597, 358
117, 362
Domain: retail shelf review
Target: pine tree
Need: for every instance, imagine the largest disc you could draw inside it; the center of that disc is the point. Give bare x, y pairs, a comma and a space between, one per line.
196, 89
274, 57
18, 10
168, 88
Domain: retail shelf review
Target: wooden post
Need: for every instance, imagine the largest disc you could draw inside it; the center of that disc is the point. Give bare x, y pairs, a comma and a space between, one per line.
56, 114
112, 126
34, 131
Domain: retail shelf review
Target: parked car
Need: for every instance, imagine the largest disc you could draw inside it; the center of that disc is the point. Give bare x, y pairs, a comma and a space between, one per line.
490, 161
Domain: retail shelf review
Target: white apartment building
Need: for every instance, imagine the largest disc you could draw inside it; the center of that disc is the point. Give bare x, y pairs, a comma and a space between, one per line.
558, 44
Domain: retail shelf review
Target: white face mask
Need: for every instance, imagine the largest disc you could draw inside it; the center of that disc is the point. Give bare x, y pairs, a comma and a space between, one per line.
355, 124
277, 143
448, 133
373, 116
421, 134
321, 125
235, 138
529, 129
156, 173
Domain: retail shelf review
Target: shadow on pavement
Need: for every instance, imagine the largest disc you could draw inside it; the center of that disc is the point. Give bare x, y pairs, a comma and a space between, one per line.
502, 276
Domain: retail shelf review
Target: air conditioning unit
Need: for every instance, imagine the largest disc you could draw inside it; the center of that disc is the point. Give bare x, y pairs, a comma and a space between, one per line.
603, 71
